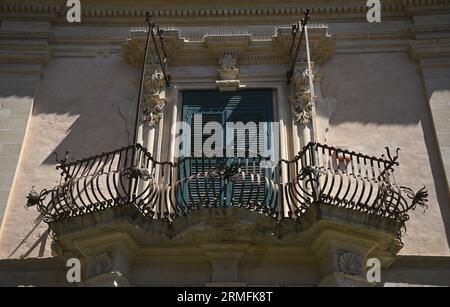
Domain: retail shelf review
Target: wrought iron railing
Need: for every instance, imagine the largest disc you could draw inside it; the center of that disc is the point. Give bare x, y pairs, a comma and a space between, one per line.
166, 190
342, 178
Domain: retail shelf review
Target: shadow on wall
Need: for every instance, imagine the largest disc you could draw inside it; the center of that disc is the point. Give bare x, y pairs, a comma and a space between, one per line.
100, 92
86, 106
381, 101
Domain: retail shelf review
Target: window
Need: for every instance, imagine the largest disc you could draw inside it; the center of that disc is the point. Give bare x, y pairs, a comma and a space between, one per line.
245, 107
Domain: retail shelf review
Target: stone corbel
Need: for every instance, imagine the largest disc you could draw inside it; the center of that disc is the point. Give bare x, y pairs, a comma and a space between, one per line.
107, 259
343, 254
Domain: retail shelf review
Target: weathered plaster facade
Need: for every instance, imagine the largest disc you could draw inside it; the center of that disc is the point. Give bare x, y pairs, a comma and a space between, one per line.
74, 87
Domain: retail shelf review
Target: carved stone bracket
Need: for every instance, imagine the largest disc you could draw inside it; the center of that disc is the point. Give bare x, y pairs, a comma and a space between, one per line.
302, 101
154, 97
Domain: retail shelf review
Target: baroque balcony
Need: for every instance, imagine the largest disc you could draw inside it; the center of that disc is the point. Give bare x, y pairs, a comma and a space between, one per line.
318, 175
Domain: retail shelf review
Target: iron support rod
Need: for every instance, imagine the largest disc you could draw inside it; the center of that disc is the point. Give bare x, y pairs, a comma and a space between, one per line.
141, 88
138, 107
304, 22
161, 63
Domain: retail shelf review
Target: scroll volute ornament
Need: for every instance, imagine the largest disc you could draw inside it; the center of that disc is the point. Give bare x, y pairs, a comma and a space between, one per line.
154, 100
302, 101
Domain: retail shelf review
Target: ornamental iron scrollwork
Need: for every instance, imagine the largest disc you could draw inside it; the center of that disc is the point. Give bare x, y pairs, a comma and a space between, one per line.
319, 174
62, 164
226, 170
137, 173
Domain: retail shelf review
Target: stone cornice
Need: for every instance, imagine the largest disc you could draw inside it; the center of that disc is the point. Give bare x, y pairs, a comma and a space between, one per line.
431, 53
24, 52
430, 45
251, 50
418, 38
200, 11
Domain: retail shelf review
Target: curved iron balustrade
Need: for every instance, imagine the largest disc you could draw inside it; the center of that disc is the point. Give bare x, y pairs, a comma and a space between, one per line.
166, 190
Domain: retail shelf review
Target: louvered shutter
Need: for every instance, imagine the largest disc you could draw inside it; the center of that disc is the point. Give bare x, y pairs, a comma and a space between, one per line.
245, 107
205, 190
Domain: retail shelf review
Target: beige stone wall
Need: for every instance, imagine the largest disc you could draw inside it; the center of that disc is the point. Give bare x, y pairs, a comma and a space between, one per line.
82, 105
381, 101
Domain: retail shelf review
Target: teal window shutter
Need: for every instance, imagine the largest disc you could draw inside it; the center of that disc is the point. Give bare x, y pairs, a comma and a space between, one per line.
225, 107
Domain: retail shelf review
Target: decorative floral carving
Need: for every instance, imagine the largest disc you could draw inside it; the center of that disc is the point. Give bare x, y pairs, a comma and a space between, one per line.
153, 104
350, 263
302, 101
154, 82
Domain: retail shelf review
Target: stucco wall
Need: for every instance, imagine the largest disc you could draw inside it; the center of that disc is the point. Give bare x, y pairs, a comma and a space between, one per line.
381, 102
83, 105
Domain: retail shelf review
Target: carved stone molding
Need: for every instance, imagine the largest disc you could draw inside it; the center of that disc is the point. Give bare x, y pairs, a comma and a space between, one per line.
154, 98
302, 101
243, 48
